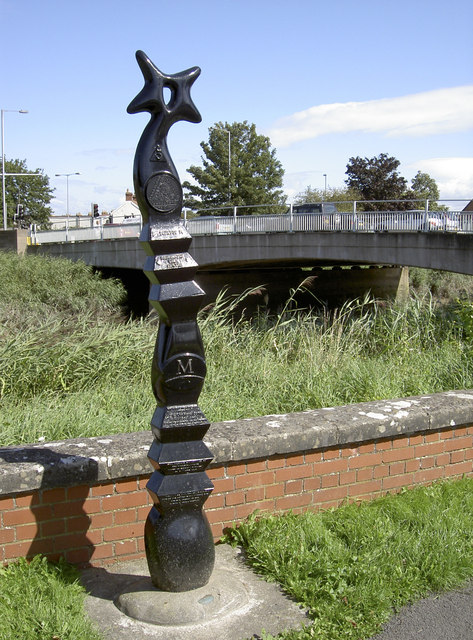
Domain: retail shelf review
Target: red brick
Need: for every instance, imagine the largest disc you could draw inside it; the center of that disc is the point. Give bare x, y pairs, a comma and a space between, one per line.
291, 502
347, 477
432, 449
68, 509
400, 442
349, 452
326, 495
101, 520
398, 454
53, 528
27, 532
236, 469
79, 523
369, 447
221, 515
71, 541
215, 501
42, 513
123, 501
426, 463
367, 460
460, 431
396, 468
429, 475
253, 495
125, 547
331, 480
459, 469
459, 443
102, 551
384, 445
313, 484
77, 493
122, 532
225, 484
396, 482
332, 466
124, 517
18, 516
215, 472
412, 465
92, 505
276, 463
51, 496
331, 454
78, 556
231, 499
217, 530
126, 486
274, 491
293, 486
24, 501
434, 436
361, 488
381, 471
295, 460
313, 456
6, 503
102, 490
142, 482
17, 550
7, 535
415, 440
258, 479
259, 465
362, 475
446, 434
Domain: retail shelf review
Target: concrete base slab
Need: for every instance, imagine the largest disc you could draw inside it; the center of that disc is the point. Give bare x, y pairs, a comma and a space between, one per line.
234, 605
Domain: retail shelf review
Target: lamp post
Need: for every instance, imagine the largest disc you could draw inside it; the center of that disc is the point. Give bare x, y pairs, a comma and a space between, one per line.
325, 185
75, 173
4, 199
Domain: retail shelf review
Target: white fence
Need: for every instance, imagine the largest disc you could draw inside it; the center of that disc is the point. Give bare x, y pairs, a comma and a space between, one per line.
362, 222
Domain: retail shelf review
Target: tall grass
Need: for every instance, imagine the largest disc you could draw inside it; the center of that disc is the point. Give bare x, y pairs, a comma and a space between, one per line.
71, 368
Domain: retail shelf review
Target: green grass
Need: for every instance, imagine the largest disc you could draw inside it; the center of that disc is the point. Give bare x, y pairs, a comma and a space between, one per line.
42, 601
72, 366
353, 567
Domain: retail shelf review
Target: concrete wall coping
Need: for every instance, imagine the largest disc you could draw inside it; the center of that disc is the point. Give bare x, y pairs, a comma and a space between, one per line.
100, 459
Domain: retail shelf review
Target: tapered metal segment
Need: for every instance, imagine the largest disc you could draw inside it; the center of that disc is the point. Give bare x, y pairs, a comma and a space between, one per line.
178, 538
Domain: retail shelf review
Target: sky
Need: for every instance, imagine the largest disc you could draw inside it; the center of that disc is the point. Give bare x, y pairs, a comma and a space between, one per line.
325, 81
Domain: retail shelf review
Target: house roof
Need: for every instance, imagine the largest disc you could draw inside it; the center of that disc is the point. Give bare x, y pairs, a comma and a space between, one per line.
127, 210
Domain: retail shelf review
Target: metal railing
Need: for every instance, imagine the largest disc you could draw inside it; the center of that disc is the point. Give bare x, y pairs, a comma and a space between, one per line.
422, 220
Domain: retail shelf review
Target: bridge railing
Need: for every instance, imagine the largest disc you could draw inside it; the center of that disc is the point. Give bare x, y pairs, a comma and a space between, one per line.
358, 222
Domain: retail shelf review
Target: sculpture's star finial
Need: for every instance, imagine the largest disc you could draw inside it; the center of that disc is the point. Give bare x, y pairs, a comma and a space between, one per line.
151, 97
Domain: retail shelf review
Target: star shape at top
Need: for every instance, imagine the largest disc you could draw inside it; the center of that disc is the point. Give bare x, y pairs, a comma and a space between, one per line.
151, 98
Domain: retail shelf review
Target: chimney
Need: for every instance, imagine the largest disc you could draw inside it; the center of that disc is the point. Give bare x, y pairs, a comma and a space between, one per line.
129, 196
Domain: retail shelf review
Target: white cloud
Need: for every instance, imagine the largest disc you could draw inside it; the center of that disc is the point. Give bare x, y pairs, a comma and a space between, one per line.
420, 114
454, 176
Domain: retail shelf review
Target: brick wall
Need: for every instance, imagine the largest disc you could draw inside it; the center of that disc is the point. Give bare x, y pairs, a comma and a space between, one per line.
103, 522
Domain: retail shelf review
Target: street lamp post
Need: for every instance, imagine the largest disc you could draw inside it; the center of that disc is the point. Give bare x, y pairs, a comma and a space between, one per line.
75, 173
4, 199
325, 185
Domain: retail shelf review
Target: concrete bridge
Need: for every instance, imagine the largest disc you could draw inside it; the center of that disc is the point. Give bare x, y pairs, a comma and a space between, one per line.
252, 251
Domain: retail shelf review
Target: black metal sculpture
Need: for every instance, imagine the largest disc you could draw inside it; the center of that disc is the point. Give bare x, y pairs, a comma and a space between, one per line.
178, 539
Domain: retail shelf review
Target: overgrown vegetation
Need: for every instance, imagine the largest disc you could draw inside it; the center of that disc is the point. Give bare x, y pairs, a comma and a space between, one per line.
42, 601
353, 567
71, 366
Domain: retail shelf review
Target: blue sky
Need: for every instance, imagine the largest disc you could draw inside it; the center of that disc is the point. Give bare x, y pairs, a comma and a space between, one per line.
325, 80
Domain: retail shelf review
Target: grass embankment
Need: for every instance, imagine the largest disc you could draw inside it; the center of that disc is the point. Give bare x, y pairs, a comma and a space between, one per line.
70, 366
355, 566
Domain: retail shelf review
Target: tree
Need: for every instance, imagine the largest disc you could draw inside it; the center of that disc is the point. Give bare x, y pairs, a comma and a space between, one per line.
239, 168
377, 179
424, 188
344, 196
31, 193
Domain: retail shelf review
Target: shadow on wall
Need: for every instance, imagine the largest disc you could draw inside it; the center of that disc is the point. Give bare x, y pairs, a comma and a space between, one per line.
61, 523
